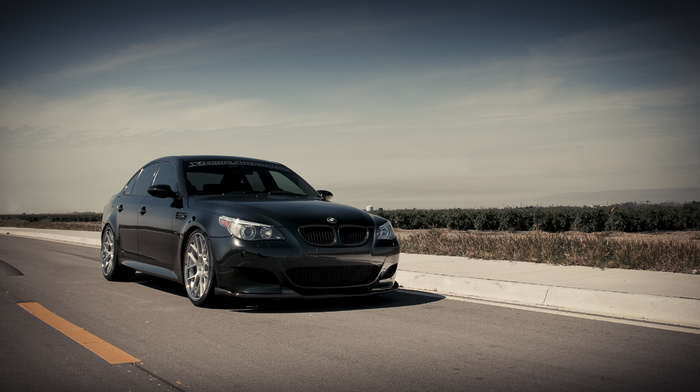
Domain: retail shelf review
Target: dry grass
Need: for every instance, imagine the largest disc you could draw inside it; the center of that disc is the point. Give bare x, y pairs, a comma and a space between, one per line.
673, 252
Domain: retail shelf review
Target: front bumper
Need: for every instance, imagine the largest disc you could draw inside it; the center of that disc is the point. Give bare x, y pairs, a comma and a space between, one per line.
287, 269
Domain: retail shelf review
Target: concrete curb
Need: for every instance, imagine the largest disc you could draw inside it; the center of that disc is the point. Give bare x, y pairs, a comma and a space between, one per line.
79, 238
639, 307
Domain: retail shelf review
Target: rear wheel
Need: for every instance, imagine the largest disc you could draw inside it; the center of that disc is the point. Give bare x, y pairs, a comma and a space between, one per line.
198, 270
109, 257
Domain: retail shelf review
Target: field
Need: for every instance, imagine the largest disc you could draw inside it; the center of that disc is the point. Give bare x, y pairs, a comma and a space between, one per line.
656, 237
662, 251
636, 236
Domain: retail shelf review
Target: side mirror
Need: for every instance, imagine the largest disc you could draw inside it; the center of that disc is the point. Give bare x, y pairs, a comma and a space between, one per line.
327, 196
161, 191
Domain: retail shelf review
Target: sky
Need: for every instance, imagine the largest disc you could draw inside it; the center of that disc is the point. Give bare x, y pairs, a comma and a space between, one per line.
393, 104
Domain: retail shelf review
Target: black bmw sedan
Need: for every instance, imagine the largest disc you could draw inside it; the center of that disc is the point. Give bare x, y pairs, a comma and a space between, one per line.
246, 228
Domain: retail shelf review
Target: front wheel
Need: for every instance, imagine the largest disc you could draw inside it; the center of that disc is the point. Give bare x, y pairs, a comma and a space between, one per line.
198, 270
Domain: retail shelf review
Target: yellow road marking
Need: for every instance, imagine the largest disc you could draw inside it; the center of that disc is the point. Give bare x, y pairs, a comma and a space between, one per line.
98, 346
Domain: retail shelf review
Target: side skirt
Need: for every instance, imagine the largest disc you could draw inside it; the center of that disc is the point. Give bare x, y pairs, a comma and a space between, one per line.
151, 269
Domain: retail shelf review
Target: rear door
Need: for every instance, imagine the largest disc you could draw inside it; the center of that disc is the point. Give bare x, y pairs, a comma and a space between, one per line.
128, 211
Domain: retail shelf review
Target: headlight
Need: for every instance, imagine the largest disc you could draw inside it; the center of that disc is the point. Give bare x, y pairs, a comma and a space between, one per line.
250, 231
386, 232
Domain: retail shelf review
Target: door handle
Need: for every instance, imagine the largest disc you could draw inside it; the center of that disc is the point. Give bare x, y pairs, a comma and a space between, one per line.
120, 208
143, 210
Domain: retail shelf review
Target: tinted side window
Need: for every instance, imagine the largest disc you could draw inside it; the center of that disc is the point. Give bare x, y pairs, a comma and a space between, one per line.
167, 175
130, 185
145, 179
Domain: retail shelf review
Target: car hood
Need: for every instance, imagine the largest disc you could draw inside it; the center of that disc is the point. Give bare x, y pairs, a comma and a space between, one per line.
286, 212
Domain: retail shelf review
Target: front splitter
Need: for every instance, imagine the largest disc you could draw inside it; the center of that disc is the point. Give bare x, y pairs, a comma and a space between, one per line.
291, 294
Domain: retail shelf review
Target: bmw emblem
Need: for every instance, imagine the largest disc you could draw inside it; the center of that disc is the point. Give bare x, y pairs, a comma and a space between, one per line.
332, 220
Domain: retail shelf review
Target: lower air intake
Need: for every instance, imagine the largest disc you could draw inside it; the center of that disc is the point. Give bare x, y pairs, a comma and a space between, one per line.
337, 276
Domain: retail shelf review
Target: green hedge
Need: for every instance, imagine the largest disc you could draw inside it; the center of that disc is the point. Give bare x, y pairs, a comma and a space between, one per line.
75, 217
628, 217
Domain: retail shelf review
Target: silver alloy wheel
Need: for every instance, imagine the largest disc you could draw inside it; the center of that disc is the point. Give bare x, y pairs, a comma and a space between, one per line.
197, 267
107, 255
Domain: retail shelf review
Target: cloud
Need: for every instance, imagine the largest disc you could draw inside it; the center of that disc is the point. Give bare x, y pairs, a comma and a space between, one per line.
126, 113
635, 44
294, 33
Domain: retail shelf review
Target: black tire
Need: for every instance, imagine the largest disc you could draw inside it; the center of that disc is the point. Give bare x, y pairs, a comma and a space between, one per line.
198, 272
109, 258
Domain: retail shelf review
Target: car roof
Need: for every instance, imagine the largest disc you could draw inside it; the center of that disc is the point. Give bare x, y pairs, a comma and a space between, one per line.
187, 158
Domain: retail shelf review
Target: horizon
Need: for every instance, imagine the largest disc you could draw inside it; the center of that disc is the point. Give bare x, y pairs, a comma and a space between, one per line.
398, 105
641, 203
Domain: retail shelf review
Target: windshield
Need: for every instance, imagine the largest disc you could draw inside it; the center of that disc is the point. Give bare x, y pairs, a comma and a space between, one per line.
244, 177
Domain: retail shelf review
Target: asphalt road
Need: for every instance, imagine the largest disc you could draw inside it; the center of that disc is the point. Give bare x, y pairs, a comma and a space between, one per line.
405, 341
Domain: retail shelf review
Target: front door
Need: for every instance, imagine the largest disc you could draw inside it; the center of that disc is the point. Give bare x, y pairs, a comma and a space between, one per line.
157, 240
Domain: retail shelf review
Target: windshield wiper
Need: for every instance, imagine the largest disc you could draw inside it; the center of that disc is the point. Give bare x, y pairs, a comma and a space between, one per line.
278, 192
284, 193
